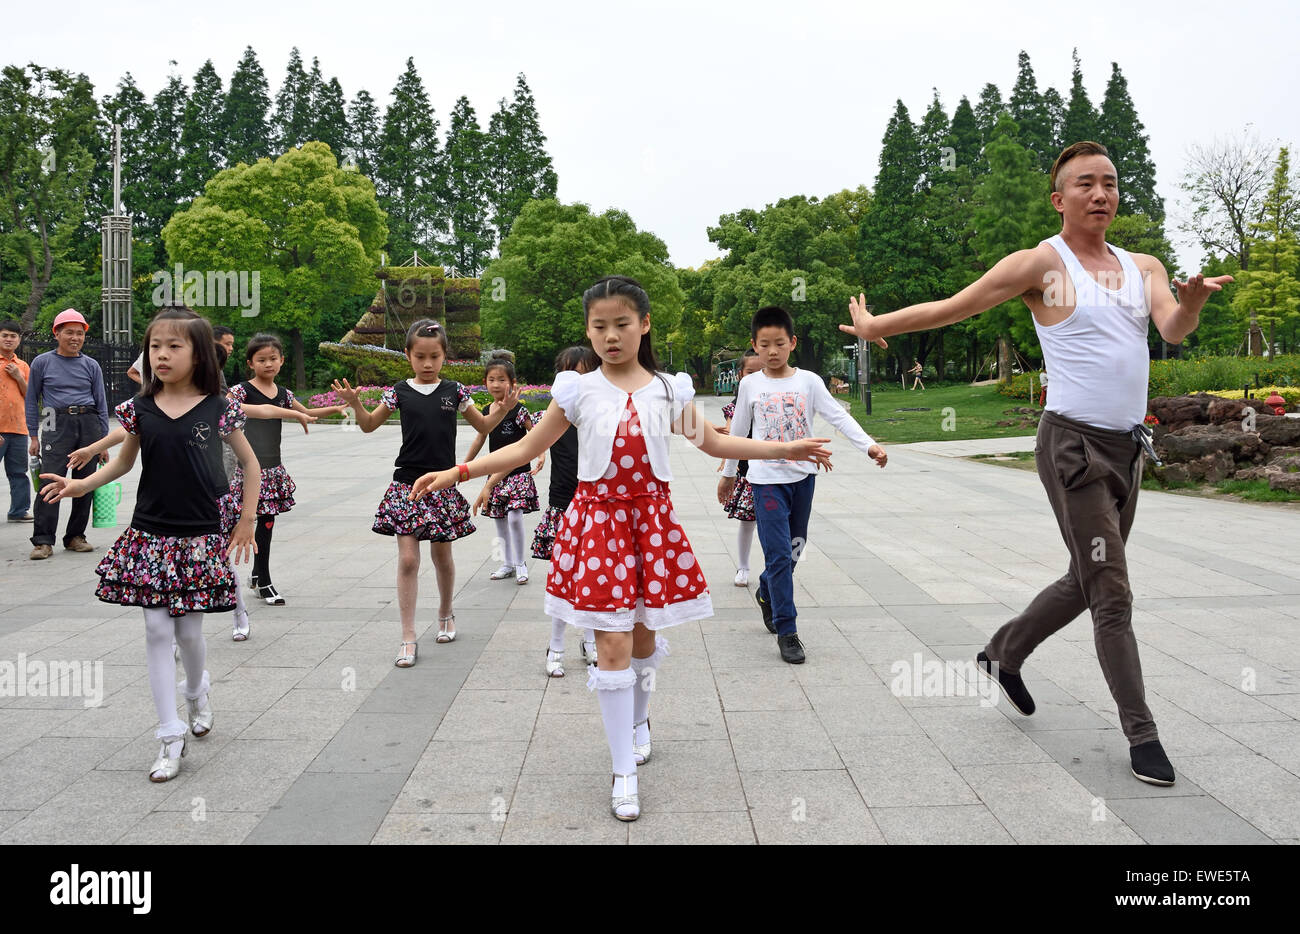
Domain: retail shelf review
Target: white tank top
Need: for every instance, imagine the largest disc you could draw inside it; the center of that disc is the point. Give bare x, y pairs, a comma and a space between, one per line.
1098, 356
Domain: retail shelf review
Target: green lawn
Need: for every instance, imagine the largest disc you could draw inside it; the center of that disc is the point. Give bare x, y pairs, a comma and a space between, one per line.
972, 412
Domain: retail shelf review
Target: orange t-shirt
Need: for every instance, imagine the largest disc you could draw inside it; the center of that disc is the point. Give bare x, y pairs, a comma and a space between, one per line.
13, 418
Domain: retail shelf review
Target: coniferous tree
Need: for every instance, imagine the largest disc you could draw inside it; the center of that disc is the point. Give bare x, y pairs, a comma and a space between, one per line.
1080, 121
410, 177
244, 121
1121, 132
964, 135
363, 133
987, 110
292, 121
201, 139
164, 187
471, 234
330, 124
1027, 108
519, 168
931, 138
1268, 293
1054, 110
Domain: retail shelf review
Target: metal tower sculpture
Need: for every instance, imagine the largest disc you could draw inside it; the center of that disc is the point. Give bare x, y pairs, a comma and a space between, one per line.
115, 294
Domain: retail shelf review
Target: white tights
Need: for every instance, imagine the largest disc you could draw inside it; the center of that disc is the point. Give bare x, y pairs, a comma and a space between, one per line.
744, 542
160, 629
511, 532
557, 634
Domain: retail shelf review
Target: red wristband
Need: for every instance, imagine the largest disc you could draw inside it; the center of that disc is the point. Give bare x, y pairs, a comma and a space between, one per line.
464, 472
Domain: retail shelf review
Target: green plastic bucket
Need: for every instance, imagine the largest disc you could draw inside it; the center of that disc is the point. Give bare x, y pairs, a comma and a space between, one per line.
107, 498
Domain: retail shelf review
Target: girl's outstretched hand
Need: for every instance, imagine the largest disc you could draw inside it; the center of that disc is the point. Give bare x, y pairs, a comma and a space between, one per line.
304, 419
433, 481
509, 402
242, 547
79, 457
60, 488
541, 462
809, 449
346, 392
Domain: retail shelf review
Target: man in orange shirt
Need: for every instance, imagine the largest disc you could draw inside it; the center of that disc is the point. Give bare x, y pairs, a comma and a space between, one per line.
13, 424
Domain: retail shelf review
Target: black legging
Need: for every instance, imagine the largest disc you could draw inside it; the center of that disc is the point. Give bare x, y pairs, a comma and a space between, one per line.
262, 560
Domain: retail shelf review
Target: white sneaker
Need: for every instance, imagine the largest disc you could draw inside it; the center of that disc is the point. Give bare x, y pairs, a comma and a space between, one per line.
521, 574
503, 572
742, 577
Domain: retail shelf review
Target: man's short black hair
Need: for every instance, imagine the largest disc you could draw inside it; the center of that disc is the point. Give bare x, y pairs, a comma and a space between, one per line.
9, 324
773, 316
221, 331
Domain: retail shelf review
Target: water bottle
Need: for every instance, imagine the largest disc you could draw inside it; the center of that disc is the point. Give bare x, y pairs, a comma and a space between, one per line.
34, 465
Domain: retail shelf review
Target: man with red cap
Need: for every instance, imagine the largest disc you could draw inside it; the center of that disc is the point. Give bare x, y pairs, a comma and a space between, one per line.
67, 405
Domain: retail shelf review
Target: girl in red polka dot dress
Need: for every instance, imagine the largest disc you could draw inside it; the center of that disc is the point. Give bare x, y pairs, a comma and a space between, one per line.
621, 563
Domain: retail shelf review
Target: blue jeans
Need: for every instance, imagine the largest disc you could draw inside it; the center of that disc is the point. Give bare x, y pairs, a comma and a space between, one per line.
782, 511
14, 449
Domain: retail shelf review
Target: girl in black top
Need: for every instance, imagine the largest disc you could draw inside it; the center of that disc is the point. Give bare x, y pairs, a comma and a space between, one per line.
429, 406
507, 496
564, 482
173, 560
265, 357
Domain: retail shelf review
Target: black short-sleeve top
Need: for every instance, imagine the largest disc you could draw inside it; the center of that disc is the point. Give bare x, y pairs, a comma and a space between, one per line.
181, 476
512, 428
428, 426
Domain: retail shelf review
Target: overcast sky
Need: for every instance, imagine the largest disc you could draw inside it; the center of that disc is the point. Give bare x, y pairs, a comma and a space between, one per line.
678, 112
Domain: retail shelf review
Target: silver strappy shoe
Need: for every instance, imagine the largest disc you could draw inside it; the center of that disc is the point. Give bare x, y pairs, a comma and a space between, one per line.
641, 750
626, 807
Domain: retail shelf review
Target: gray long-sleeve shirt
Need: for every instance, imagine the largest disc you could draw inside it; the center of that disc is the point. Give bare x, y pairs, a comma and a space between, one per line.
57, 382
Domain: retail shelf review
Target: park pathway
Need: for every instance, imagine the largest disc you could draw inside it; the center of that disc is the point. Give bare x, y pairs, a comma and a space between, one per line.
318, 738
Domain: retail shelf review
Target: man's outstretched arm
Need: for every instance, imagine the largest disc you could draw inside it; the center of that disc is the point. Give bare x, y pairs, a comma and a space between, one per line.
1014, 275
1176, 319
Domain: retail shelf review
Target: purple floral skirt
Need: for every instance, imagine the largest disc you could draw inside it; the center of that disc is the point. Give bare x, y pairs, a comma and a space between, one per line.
276, 494
442, 516
544, 537
181, 574
516, 491
740, 504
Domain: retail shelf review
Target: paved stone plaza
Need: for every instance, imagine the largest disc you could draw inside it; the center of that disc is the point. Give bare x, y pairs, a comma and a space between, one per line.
318, 738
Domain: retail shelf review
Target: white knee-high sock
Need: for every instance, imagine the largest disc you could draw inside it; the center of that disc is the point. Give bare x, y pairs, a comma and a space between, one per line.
194, 651
159, 631
557, 634
614, 690
647, 672
240, 607
503, 535
744, 542
515, 520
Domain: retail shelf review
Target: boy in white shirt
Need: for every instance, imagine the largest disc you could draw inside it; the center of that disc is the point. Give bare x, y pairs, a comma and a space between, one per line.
779, 403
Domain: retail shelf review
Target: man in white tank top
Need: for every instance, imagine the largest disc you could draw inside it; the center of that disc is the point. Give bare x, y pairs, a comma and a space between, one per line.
1091, 304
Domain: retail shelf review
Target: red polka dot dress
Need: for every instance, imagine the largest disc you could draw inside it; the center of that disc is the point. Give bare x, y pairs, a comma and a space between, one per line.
620, 556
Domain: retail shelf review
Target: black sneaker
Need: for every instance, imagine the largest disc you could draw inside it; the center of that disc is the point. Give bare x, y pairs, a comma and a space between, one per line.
1150, 763
791, 648
1013, 687
766, 607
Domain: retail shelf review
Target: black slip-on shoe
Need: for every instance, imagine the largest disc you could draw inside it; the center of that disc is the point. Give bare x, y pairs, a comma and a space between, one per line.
1150, 764
1013, 686
791, 648
766, 608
